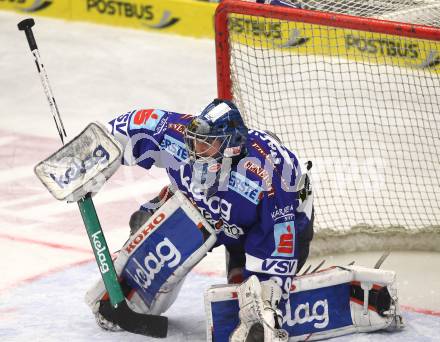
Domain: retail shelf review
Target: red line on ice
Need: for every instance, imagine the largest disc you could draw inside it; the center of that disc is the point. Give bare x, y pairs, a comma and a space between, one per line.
6, 312
204, 273
208, 273
45, 243
422, 311
36, 277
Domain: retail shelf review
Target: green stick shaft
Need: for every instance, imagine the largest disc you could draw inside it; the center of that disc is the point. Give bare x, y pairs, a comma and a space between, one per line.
100, 249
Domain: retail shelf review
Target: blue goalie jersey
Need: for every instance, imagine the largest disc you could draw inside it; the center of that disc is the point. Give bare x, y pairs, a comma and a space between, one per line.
258, 206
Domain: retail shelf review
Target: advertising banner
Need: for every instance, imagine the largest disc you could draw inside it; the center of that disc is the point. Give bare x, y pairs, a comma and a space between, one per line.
183, 17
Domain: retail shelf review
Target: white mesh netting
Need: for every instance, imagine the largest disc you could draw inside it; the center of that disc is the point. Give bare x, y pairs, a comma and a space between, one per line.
364, 107
424, 12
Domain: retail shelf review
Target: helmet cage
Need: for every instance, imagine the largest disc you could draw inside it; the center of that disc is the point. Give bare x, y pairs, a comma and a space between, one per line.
212, 150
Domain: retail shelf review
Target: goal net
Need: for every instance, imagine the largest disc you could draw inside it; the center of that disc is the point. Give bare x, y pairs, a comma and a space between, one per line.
357, 95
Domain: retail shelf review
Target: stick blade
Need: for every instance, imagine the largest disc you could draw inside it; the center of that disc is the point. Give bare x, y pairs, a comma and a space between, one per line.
127, 319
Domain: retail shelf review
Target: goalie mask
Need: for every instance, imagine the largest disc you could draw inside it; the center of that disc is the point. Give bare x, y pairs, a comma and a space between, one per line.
217, 133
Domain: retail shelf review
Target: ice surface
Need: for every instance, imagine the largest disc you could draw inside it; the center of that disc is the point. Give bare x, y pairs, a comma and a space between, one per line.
96, 72
52, 309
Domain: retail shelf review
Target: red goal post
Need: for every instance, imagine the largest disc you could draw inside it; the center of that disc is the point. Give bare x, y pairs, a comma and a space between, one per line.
359, 96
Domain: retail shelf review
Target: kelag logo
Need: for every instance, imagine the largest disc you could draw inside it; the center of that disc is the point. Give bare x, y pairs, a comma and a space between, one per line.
34, 6
165, 255
143, 12
322, 309
78, 168
160, 252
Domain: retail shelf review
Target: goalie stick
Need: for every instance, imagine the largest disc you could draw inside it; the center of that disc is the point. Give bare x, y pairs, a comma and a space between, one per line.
121, 314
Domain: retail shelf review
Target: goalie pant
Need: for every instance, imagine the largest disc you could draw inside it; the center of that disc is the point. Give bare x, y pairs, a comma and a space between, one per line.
333, 302
153, 263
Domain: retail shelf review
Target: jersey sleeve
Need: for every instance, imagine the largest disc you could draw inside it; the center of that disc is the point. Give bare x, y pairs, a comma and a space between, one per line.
140, 132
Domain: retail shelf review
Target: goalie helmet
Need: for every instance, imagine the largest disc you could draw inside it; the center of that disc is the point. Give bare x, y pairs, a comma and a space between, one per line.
216, 133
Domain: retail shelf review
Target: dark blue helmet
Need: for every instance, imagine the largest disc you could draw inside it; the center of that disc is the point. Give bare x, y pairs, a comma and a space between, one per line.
217, 132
